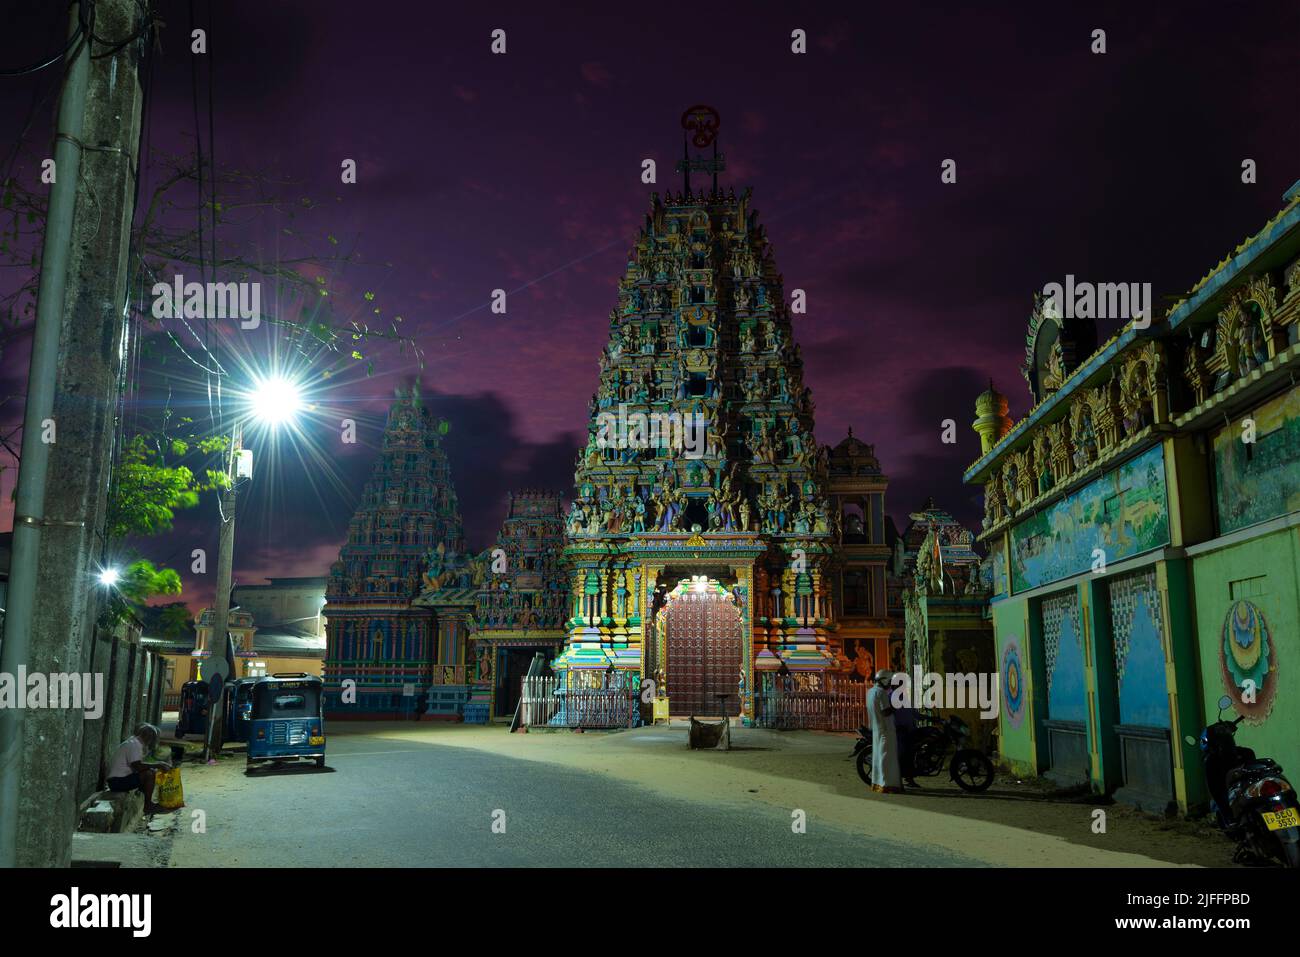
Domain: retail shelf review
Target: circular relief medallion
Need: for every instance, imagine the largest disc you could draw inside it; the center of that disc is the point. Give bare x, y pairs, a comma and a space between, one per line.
1248, 660
1013, 685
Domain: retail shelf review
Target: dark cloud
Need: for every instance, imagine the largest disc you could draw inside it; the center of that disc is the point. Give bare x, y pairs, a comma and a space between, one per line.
931, 468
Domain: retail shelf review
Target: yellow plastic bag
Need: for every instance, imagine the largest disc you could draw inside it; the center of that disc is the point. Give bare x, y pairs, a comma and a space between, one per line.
170, 793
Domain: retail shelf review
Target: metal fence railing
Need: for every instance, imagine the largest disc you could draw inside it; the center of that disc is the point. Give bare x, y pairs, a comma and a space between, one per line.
538, 703
803, 702
831, 703
547, 700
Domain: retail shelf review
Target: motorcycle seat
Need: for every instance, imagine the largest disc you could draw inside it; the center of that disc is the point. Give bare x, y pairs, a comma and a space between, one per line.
1263, 766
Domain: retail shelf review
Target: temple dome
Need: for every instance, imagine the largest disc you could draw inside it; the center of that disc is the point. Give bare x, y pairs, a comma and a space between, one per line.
853, 456
991, 419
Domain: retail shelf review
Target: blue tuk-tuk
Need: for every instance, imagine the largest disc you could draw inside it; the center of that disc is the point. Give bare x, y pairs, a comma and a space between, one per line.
193, 716
286, 720
239, 710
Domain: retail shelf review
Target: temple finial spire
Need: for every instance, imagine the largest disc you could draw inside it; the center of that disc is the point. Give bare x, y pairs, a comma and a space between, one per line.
702, 123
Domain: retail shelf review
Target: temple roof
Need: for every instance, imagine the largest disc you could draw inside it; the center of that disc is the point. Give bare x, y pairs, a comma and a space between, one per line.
447, 596
1262, 249
853, 457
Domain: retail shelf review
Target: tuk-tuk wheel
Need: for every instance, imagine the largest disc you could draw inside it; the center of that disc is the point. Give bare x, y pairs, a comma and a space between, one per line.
320, 762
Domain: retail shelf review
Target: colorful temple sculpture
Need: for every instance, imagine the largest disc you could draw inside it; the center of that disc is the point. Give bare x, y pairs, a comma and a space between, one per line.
701, 535
946, 612
404, 545
1143, 529
522, 604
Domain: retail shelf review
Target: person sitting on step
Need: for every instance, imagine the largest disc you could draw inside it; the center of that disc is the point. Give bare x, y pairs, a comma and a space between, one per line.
129, 771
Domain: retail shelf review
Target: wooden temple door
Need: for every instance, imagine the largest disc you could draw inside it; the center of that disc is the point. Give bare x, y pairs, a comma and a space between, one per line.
704, 652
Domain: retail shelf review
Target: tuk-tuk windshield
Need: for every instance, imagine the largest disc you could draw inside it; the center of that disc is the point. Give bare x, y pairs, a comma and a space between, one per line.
275, 699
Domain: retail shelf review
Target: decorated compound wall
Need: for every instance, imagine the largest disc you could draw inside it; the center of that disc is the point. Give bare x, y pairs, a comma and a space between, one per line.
1124, 513
1137, 631
1247, 622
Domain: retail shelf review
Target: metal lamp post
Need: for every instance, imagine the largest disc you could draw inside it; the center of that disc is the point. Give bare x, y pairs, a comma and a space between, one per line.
273, 402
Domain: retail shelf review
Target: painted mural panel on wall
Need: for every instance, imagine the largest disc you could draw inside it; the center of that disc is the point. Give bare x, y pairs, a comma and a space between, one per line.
1260, 480
1013, 684
1015, 737
998, 563
1123, 513
860, 653
1248, 660
1063, 657
1137, 633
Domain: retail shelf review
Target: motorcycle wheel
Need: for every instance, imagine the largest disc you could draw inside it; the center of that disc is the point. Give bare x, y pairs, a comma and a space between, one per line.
864, 764
928, 759
971, 770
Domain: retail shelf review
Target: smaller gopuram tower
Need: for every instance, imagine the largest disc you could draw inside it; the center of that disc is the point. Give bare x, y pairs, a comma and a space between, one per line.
408, 517
860, 573
522, 601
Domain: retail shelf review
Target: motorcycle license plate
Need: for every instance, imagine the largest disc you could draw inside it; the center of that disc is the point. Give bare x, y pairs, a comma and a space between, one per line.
1287, 817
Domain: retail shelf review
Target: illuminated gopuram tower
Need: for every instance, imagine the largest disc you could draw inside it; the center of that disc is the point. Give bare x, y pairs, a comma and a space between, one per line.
407, 523
699, 539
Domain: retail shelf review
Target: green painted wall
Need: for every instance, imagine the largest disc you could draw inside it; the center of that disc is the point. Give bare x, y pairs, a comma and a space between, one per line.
1016, 745
1265, 572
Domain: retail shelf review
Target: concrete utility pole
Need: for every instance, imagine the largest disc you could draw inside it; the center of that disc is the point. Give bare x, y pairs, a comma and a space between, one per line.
220, 641
63, 479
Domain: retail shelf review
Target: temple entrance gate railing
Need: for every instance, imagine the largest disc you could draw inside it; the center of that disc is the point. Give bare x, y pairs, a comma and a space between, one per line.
810, 702
594, 700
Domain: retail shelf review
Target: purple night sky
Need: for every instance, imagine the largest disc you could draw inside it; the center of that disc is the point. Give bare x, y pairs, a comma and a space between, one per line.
522, 172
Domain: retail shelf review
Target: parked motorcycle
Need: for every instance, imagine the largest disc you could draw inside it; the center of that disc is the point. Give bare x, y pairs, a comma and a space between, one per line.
1252, 800
940, 743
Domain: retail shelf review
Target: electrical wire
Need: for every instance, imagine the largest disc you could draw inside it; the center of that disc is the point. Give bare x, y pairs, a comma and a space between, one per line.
212, 149
198, 168
85, 17
146, 24
128, 375
37, 67
212, 178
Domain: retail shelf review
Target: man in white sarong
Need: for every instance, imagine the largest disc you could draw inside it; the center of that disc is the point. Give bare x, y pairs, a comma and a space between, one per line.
886, 776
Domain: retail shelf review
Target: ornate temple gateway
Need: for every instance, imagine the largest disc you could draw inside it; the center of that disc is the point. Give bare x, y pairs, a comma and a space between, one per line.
698, 551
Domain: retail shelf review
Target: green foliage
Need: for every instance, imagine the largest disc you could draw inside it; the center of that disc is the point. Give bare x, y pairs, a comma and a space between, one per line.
140, 581
150, 484
172, 620
148, 491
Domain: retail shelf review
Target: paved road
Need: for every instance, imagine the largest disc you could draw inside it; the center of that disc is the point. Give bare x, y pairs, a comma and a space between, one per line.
391, 803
